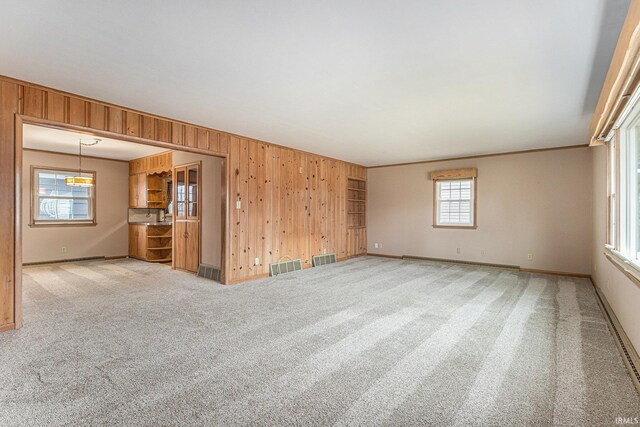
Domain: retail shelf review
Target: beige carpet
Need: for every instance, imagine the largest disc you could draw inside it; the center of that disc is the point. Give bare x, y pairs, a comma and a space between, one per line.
369, 341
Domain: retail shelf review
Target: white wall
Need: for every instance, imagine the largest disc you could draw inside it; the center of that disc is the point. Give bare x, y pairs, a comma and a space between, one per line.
621, 293
211, 215
107, 238
532, 203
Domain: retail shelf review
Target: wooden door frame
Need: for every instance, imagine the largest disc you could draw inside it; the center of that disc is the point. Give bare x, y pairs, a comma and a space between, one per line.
21, 120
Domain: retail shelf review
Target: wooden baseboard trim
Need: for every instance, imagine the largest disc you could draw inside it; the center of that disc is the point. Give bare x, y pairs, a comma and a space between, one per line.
7, 327
556, 273
58, 261
625, 346
385, 256
108, 258
459, 261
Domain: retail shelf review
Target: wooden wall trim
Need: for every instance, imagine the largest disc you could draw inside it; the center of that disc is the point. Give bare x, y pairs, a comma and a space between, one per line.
480, 156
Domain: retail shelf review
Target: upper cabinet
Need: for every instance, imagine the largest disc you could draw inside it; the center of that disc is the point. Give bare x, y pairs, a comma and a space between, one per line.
148, 178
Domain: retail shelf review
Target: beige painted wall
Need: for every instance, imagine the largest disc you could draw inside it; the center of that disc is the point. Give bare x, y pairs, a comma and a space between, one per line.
533, 203
108, 238
623, 295
211, 218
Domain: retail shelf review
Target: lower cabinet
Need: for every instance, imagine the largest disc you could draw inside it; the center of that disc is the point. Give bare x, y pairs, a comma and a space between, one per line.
138, 241
150, 242
186, 236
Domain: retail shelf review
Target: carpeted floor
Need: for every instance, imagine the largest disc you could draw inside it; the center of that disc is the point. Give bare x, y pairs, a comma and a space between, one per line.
369, 341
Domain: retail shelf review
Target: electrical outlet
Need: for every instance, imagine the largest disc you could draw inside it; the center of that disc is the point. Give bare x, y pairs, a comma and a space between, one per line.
529, 257
457, 250
256, 261
375, 245
482, 253
238, 204
300, 169
324, 251
64, 249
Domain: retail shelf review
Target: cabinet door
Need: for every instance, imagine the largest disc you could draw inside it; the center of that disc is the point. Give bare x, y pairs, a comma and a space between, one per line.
133, 191
192, 256
180, 193
179, 245
133, 240
142, 190
142, 241
193, 179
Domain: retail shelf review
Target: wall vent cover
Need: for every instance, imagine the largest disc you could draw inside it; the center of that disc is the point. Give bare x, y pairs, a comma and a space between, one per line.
323, 259
209, 272
283, 267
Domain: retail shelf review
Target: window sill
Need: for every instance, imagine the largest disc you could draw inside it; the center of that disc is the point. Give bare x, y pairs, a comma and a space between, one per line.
622, 263
63, 224
464, 227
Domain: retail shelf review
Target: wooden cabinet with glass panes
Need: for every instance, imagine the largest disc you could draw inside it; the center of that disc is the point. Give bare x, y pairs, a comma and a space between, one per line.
186, 217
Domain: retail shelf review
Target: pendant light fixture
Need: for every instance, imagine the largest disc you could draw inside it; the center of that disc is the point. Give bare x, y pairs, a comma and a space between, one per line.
79, 180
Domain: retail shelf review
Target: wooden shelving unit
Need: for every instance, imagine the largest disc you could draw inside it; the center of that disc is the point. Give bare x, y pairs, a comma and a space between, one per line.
159, 243
356, 203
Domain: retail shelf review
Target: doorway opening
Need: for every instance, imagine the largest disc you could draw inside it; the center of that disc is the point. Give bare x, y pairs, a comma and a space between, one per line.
87, 196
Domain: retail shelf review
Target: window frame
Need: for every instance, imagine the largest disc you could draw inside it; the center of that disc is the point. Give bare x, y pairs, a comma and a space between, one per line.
474, 202
34, 222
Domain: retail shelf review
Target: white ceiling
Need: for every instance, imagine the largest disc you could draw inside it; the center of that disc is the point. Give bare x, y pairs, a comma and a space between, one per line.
62, 141
373, 82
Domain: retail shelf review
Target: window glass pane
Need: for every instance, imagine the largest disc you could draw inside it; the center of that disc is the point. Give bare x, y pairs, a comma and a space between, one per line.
51, 183
63, 209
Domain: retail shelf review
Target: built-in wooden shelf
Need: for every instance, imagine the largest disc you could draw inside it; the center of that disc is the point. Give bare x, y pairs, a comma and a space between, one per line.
356, 203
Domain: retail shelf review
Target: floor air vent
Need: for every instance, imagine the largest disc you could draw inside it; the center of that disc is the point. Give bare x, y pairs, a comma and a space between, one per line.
323, 259
209, 272
283, 267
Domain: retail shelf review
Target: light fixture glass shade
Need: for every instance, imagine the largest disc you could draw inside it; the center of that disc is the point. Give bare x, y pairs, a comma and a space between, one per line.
78, 181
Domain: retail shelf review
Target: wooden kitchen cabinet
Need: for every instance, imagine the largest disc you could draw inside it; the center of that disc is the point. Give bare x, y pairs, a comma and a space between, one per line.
186, 236
138, 241
138, 190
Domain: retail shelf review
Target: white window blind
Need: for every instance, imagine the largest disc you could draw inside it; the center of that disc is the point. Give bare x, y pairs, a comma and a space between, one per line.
454, 200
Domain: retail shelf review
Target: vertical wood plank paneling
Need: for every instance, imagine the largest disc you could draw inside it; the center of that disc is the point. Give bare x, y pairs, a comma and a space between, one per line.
202, 139
77, 111
56, 107
252, 199
243, 219
234, 196
223, 143
115, 120
190, 136
9, 94
132, 121
214, 141
148, 127
163, 130
97, 113
267, 243
33, 102
177, 133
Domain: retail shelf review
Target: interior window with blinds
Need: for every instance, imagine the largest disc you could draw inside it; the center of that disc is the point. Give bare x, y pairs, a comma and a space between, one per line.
455, 202
56, 203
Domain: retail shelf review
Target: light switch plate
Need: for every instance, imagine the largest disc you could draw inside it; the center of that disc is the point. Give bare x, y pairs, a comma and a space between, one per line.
238, 204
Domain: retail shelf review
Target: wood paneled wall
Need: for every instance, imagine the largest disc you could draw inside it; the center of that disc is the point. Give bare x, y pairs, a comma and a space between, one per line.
293, 203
